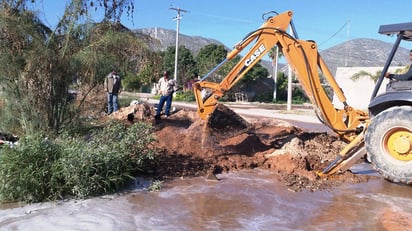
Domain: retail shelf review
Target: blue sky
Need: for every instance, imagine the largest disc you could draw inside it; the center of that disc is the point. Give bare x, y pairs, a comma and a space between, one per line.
325, 21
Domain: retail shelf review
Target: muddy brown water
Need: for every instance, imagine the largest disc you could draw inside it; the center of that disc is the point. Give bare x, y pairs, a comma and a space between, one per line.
244, 200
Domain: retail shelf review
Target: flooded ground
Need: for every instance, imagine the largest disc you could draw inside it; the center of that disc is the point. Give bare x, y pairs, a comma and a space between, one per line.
267, 181
243, 200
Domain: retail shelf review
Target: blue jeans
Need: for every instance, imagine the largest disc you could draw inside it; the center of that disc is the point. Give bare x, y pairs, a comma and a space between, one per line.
163, 99
112, 103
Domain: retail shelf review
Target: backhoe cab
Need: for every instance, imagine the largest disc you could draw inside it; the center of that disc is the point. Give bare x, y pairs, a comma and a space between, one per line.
389, 136
385, 133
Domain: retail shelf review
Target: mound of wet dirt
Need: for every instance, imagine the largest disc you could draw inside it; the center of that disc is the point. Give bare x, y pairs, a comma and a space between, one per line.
188, 148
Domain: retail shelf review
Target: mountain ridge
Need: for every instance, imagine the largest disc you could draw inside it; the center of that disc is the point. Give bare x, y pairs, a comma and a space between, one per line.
167, 38
357, 52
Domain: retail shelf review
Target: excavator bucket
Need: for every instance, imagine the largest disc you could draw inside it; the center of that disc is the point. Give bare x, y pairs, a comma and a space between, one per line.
224, 122
347, 157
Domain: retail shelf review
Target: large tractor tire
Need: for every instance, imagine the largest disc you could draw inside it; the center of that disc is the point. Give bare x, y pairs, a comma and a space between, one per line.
389, 144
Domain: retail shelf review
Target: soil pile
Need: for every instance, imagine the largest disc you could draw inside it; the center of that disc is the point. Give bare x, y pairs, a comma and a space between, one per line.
188, 148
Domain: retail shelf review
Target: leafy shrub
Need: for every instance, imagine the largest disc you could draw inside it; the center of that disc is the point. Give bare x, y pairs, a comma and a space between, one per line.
25, 170
265, 97
187, 96
108, 161
156, 186
38, 169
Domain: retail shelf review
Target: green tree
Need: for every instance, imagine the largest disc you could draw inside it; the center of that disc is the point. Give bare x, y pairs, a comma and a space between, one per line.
186, 64
145, 76
104, 49
168, 59
246, 83
252, 77
282, 87
275, 54
210, 56
39, 64
34, 90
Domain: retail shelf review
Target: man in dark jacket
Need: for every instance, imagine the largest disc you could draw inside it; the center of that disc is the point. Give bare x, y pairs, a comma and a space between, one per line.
113, 87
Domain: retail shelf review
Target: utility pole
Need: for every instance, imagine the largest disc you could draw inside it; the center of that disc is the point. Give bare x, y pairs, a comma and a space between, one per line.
347, 47
177, 18
275, 73
289, 95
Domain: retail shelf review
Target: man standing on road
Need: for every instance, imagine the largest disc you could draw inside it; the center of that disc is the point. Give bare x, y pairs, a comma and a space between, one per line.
113, 87
166, 90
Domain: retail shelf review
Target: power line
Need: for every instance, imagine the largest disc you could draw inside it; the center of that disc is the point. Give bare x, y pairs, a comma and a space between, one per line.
337, 32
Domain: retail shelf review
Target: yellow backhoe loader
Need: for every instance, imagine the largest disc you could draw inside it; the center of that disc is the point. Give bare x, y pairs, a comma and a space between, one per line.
384, 133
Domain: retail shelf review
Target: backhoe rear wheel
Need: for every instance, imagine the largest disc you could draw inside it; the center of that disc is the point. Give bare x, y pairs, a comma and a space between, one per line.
389, 144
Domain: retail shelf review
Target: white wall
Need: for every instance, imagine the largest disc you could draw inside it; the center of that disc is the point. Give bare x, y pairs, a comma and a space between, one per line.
358, 92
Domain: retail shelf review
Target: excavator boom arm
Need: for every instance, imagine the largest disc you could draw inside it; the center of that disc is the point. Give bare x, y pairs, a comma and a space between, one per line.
263, 44
304, 58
